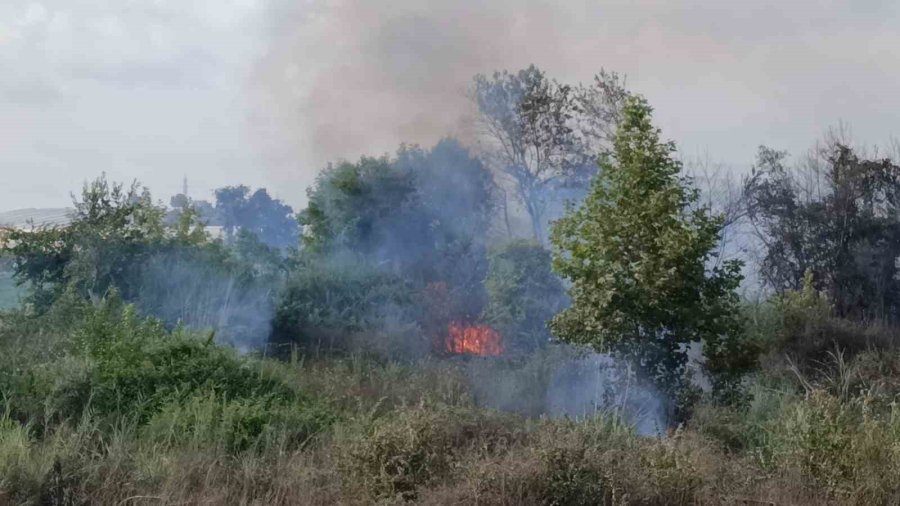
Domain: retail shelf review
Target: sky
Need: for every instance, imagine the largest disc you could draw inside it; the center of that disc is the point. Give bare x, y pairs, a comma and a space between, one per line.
267, 92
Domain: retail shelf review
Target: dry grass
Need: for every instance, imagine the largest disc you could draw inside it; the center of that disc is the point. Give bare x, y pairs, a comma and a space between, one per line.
373, 432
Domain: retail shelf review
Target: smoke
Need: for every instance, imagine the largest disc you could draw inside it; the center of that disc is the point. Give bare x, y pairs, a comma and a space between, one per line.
346, 78
339, 78
596, 383
565, 381
203, 294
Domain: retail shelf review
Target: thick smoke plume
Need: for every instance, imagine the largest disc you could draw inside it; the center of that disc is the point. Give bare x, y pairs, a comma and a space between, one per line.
341, 78
347, 78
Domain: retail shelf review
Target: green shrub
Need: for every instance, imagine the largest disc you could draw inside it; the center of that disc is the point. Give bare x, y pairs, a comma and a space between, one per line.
323, 304
137, 366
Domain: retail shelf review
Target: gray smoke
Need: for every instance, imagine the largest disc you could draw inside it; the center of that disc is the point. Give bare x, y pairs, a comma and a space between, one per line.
202, 295
341, 78
565, 381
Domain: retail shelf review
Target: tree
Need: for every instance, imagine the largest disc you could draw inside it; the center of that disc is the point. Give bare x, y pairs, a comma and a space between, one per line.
424, 214
114, 229
231, 207
835, 218
545, 136
271, 220
421, 216
637, 253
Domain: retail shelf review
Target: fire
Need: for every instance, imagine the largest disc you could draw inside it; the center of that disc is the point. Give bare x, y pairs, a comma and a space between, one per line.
474, 340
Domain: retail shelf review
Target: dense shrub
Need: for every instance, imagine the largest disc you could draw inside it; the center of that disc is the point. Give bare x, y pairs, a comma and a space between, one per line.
523, 294
120, 366
323, 305
136, 365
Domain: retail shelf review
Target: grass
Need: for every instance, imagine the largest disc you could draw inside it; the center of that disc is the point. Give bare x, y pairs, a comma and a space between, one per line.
116, 409
10, 294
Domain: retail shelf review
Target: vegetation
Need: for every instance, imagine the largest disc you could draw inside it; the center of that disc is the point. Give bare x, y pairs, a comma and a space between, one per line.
636, 252
523, 293
390, 343
545, 136
9, 292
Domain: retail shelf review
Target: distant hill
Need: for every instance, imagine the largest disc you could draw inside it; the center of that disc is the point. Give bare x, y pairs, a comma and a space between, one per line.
24, 218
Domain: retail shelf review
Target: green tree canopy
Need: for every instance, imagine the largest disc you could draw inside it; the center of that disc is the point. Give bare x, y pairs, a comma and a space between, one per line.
637, 253
114, 229
423, 215
270, 220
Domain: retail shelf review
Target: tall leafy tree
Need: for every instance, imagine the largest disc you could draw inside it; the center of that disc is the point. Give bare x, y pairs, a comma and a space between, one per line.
638, 252
545, 136
114, 228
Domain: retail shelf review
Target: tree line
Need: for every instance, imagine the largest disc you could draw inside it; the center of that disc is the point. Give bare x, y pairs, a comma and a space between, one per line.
623, 254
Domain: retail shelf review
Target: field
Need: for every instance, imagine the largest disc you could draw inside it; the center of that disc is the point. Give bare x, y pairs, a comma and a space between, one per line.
114, 409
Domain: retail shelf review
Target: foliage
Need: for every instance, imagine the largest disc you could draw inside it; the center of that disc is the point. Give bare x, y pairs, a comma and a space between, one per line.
400, 212
113, 230
636, 252
387, 431
323, 304
207, 419
421, 217
118, 242
270, 220
137, 366
546, 135
523, 293
117, 367
838, 220
230, 289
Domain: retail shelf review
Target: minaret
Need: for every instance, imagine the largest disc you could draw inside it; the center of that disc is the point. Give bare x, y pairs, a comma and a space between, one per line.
184, 188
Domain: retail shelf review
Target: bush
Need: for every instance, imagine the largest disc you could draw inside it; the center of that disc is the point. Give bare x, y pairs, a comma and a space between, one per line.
137, 366
322, 305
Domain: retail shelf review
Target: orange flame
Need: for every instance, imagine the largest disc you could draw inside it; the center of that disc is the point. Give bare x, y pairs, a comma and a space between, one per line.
474, 340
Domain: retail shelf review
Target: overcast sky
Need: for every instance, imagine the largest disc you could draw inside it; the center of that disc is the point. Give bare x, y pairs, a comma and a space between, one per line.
265, 92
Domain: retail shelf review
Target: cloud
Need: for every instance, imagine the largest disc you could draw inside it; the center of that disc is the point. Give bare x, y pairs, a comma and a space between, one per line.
151, 90
266, 92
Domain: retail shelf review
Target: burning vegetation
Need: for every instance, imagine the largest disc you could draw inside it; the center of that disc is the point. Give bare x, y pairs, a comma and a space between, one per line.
481, 340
